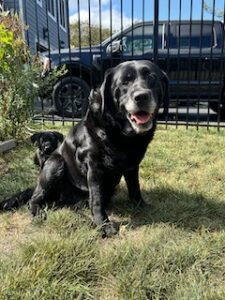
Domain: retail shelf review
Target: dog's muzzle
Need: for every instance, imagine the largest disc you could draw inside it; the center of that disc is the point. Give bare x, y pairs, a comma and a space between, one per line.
140, 110
141, 117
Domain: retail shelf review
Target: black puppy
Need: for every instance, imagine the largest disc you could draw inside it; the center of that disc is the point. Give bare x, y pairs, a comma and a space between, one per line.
108, 143
46, 142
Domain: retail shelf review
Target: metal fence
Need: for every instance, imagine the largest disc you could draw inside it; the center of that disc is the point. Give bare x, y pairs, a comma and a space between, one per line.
185, 38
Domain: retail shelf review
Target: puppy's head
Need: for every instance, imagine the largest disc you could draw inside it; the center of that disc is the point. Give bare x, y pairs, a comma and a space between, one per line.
133, 91
47, 141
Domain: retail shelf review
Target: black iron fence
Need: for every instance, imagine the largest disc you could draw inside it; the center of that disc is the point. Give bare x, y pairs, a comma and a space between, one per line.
185, 38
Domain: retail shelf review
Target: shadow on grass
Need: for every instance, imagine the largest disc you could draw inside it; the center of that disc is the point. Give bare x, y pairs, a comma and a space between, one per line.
183, 209
188, 211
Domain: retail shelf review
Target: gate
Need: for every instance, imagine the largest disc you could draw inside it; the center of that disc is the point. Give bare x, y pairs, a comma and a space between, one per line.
184, 37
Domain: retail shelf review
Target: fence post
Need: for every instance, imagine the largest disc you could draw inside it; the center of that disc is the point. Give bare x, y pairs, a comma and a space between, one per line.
155, 31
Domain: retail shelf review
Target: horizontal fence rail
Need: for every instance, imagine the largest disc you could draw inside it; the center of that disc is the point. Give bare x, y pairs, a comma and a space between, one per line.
86, 37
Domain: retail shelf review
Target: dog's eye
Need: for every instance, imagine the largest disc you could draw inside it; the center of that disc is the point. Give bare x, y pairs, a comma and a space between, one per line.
146, 73
128, 78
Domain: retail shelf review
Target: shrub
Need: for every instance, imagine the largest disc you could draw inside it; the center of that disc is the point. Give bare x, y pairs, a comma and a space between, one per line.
18, 72
17, 75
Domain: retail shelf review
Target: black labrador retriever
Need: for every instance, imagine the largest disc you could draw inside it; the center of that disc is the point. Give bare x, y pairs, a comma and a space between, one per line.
46, 143
108, 143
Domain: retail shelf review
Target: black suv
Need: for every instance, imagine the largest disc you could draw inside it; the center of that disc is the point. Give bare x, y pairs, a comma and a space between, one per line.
191, 55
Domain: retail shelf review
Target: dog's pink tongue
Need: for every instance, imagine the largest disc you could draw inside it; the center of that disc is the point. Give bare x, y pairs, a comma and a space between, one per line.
140, 118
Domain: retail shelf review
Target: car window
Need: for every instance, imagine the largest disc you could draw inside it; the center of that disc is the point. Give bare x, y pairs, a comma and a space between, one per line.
185, 36
141, 41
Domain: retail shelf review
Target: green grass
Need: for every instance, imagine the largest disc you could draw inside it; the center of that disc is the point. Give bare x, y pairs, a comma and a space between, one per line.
173, 250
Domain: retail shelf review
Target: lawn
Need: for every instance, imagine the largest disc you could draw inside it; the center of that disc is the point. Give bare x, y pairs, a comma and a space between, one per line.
173, 250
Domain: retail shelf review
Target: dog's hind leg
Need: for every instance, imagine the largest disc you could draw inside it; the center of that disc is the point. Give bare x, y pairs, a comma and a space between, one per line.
48, 183
17, 200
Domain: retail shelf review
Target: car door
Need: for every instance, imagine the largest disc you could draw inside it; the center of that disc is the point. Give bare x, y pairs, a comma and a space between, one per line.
182, 59
194, 59
210, 71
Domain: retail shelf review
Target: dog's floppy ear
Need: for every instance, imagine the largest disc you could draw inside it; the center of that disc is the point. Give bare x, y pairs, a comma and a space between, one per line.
59, 136
105, 88
35, 137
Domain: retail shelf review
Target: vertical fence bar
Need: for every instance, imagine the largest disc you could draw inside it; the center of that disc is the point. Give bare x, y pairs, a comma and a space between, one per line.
168, 56
79, 41
121, 25
37, 50
132, 26
222, 79
27, 32
143, 26
210, 64
156, 30
70, 58
111, 32
60, 59
90, 41
178, 62
189, 64
49, 53
37, 28
200, 63
100, 38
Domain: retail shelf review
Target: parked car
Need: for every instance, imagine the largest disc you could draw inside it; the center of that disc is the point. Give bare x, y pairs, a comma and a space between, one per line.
191, 54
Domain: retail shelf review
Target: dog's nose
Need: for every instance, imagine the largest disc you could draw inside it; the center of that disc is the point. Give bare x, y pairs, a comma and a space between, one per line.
47, 147
141, 97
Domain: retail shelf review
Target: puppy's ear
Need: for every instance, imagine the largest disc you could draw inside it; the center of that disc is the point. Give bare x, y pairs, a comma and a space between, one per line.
59, 136
35, 137
95, 101
105, 88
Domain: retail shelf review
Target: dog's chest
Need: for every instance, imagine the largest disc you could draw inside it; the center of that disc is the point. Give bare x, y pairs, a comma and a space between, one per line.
120, 152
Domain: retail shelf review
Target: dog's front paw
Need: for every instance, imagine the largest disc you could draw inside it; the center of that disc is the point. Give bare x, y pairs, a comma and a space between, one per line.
109, 229
34, 209
37, 212
138, 202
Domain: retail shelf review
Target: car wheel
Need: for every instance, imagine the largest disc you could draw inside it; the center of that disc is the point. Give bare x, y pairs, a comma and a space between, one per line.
70, 97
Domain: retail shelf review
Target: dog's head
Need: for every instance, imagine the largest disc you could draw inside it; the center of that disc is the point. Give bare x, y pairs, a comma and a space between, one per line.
47, 141
132, 93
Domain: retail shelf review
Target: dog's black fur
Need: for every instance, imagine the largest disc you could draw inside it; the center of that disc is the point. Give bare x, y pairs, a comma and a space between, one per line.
108, 143
46, 143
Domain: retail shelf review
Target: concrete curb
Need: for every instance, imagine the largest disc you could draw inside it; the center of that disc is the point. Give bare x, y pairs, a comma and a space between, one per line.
7, 145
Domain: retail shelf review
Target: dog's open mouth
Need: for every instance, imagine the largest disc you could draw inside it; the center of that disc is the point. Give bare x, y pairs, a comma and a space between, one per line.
141, 117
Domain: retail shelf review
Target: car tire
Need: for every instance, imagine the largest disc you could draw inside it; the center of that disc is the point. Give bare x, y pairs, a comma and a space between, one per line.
70, 97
